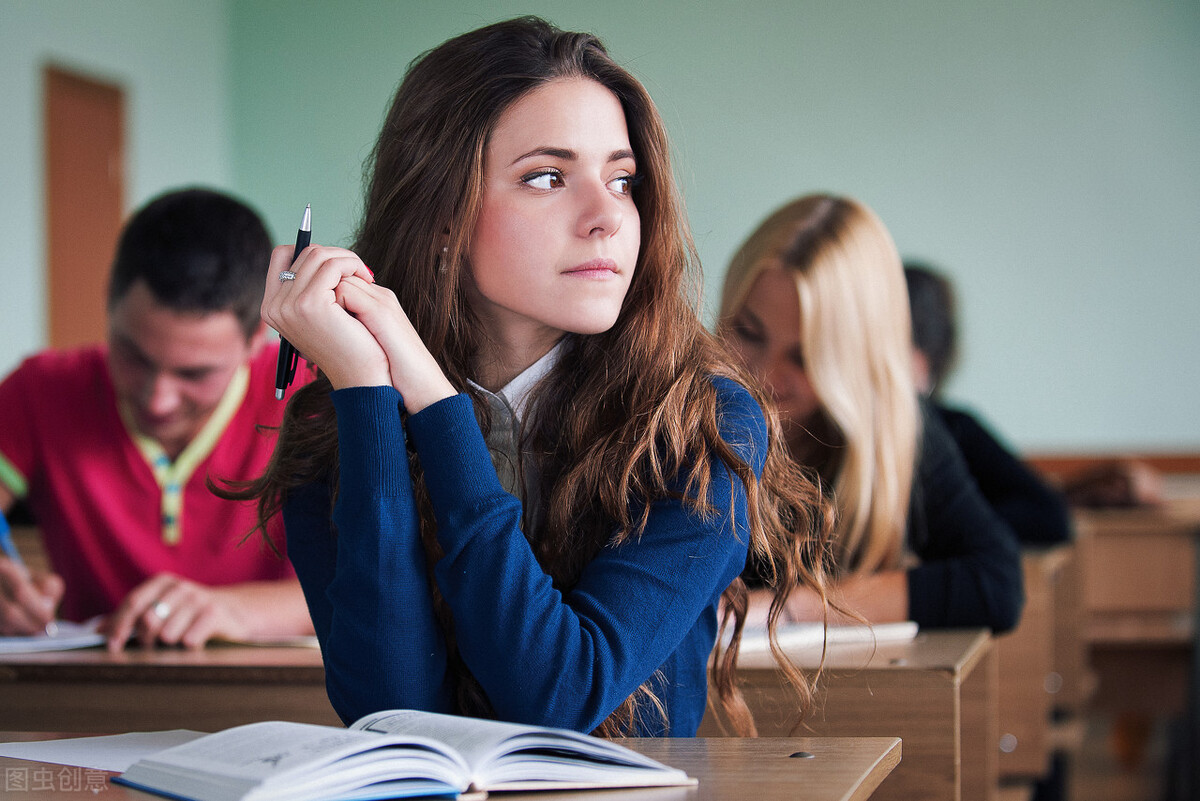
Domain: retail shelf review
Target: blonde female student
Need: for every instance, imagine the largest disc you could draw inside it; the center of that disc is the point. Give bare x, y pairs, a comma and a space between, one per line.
526, 474
815, 304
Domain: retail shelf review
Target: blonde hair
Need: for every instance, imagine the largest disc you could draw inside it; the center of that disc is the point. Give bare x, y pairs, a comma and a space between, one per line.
855, 337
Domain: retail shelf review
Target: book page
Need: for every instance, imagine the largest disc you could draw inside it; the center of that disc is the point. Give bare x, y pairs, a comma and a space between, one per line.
260, 750
512, 756
287, 760
115, 752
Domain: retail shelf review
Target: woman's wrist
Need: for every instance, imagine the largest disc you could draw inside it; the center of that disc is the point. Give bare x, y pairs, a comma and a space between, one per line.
420, 394
341, 378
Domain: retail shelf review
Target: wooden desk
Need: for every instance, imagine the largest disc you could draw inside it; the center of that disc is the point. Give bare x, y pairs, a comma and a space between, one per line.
936, 692
1139, 586
1029, 678
1139, 575
149, 690
841, 769
1072, 667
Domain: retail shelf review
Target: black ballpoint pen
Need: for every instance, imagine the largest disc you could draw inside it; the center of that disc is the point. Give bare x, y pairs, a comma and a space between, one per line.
285, 368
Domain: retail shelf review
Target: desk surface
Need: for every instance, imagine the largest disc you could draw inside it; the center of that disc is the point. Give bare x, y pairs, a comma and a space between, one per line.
841, 769
240, 662
954, 651
1178, 513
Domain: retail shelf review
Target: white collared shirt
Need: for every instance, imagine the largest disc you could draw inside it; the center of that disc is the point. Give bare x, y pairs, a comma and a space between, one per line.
508, 408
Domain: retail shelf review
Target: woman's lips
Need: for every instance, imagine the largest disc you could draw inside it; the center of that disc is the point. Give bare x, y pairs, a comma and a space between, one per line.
596, 268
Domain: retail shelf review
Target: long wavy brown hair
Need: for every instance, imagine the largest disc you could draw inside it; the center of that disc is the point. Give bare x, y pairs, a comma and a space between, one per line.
626, 414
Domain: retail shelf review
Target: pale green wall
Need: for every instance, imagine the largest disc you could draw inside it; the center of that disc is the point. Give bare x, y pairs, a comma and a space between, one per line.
1044, 152
172, 60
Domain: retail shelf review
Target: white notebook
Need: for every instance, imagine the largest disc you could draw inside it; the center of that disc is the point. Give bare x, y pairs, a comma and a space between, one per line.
63, 635
804, 635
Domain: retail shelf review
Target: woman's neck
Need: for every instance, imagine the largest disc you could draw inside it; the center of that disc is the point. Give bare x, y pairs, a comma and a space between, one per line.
502, 364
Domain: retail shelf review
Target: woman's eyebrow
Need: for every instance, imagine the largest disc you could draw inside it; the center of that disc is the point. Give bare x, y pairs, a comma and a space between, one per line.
554, 152
566, 154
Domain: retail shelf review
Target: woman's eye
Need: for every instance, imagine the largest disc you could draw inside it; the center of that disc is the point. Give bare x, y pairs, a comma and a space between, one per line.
745, 332
625, 184
546, 179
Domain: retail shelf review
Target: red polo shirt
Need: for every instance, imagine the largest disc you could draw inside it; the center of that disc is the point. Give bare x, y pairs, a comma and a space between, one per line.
111, 511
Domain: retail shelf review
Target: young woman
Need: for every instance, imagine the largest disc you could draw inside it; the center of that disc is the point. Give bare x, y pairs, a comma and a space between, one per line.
526, 475
815, 304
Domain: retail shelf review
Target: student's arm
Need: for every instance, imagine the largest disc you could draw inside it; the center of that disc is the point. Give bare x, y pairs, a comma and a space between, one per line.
970, 570
366, 582
27, 600
193, 614
1036, 511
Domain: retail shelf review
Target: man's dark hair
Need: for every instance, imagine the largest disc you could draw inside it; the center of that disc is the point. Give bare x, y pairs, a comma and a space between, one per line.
931, 301
198, 251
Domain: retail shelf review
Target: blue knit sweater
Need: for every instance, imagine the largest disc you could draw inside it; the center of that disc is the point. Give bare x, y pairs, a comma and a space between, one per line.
646, 609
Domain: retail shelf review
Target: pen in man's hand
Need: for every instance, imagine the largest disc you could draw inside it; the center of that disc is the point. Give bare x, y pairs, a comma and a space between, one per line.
285, 368
6, 543
9, 549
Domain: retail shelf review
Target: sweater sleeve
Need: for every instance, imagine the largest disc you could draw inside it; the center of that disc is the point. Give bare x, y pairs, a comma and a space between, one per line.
1036, 511
970, 571
365, 579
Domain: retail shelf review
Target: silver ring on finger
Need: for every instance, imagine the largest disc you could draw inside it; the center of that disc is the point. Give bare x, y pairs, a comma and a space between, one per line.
286, 275
162, 610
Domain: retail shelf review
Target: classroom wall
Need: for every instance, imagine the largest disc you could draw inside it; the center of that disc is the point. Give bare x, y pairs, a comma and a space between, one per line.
172, 60
1045, 154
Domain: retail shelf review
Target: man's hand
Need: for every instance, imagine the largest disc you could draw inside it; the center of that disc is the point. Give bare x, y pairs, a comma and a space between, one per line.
27, 601
171, 610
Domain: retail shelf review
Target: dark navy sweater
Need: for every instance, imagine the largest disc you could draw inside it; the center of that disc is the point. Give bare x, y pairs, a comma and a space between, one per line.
644, 610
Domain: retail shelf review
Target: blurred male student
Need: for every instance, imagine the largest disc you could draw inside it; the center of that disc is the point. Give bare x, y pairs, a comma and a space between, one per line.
111, 446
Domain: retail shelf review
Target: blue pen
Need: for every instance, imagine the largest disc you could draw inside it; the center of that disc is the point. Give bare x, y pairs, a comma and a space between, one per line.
6, 543
10, 550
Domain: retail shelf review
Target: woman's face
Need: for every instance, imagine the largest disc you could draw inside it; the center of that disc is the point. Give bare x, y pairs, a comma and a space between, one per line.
557, 237
765, 333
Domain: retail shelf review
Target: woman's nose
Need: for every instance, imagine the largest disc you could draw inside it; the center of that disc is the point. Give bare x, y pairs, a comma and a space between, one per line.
602, 213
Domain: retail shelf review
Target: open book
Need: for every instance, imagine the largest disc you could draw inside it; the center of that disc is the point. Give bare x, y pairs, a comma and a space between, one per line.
390, 754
